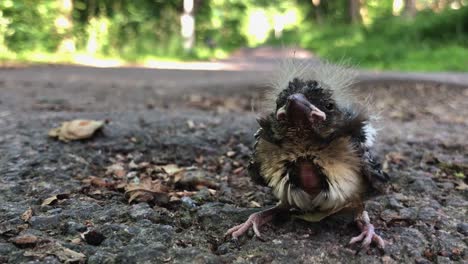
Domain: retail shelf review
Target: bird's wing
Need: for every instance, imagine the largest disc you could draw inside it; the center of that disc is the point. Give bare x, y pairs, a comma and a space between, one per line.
372, 167
372, 170
253, 168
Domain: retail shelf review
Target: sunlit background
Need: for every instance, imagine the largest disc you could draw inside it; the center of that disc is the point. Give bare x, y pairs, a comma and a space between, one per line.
407, 35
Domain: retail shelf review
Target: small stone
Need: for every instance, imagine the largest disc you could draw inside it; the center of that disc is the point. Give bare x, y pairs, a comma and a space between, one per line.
277, 242
230, 154
72, 228
6, 248
422, 260
410, 213
93, 237
243, 150
202, 196
25, 241
447, 186
373, 206
428, 214
141, 211
413, 240
448, 243
389, 215
394, 204
55, 211
101, 257
45, 222
388, 260
463, 228
423, 185
443, 260
188, 202
222, 249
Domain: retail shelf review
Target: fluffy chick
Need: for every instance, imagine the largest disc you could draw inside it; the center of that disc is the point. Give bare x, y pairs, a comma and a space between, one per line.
313, 148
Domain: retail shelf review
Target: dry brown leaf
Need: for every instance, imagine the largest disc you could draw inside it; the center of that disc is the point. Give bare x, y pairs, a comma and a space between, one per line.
171, 169
50, 200
146, 190
25, 241
200, 159
194, 180
76, 241
461, 186
64, 254
27, 214
99, 182
76, 129
238, 170
140, 196
133, 165
255, 204
117, 170
395, 158
53, 199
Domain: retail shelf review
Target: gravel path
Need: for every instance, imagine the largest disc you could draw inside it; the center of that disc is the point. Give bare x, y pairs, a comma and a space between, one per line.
201, 123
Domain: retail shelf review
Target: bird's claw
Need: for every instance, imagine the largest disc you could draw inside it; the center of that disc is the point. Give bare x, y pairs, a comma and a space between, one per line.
255, 221
368, 236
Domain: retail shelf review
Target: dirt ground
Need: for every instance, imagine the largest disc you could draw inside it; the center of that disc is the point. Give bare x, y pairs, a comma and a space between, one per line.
203, 122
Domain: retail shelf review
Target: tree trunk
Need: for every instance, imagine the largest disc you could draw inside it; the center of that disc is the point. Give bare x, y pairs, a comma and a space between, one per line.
64, 26
317, 11
410, 8
353, 11
187, 21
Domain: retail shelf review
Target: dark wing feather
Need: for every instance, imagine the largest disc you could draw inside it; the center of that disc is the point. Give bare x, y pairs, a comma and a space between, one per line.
372, 170
253, 168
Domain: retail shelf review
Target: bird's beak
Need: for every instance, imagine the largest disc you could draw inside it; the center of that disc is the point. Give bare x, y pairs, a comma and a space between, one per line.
299, 110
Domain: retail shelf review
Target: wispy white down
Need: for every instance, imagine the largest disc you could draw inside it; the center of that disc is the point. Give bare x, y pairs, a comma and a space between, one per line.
337, 78
371, 133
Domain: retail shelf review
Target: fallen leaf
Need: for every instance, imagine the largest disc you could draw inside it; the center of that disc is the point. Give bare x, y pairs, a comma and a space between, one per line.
76, 129
190, 124
99, 182
461, 186
171, 169
395, 158
117, 170
133, 165
25, 241
27, 215
146, 190
238, 170
64, 254
200, 159
194, 180
53, 199
49, 201
76, 241
255, 204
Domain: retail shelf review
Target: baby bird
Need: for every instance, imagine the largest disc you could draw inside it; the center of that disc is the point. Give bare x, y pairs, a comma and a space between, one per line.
313, 148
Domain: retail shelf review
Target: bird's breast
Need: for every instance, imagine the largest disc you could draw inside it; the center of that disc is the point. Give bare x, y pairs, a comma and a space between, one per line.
304, 174
323, 178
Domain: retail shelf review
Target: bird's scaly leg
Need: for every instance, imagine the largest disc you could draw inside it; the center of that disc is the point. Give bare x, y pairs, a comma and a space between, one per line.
368, 234
255, 220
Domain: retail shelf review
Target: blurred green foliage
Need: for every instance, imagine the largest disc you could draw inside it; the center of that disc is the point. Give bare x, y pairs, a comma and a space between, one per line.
28, 25
138, 30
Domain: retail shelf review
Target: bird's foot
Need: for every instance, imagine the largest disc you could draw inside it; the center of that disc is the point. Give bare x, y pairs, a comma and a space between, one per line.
255, 220
368, 234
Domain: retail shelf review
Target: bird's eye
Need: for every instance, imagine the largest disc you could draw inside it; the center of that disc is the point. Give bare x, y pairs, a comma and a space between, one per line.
330, 106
